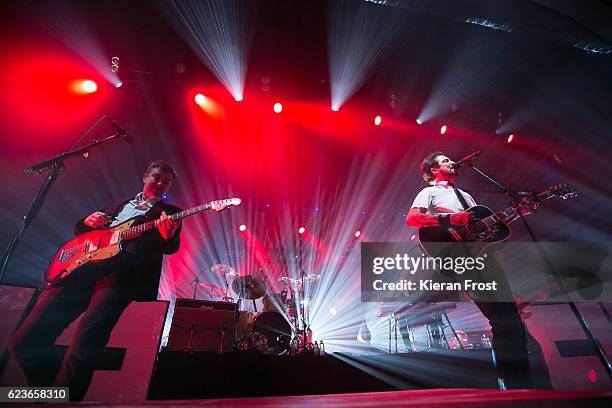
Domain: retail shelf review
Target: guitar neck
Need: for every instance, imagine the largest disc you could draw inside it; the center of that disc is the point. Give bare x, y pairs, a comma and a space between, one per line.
528, 204
510, 214
150, 225
505, 216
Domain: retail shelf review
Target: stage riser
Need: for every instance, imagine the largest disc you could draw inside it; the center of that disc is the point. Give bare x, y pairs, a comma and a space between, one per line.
211, 375
123, 372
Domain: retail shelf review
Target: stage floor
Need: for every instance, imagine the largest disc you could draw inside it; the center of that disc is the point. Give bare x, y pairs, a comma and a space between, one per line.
417, 398
207, 375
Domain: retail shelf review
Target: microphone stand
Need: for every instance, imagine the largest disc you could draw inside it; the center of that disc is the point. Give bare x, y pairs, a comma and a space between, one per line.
56, 166
585, 328
305, 320
195, 283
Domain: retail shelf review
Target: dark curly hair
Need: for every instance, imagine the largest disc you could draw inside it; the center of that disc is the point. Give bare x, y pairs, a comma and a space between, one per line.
429, 162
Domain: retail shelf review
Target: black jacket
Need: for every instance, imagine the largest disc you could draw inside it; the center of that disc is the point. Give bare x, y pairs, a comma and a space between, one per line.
144, 254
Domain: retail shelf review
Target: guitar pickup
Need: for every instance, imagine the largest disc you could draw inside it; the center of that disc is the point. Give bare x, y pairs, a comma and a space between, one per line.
90, 246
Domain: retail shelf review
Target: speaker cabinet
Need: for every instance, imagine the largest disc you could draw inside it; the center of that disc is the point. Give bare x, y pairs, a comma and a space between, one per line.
201, 325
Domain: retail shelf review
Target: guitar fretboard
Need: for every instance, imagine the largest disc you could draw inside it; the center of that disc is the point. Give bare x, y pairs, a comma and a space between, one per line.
141, 228
509, 214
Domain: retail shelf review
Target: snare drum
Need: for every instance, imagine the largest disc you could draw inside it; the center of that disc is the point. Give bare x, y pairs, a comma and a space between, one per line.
274, 302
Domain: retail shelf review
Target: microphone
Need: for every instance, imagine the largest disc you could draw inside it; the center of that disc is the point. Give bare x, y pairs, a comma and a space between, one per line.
121, 131
466, 159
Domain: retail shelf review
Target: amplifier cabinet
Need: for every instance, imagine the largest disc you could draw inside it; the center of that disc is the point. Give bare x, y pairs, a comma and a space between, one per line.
202, 325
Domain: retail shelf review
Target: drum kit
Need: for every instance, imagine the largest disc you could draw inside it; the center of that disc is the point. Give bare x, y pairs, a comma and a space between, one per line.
279, 327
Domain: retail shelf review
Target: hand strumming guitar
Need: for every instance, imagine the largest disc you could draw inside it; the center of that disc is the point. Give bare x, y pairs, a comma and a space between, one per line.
97, 219
460, 218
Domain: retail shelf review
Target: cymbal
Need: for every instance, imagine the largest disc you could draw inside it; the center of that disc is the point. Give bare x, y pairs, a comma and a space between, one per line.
289, 281
221, 270
250, 286
212, 289
313, 277
298, 281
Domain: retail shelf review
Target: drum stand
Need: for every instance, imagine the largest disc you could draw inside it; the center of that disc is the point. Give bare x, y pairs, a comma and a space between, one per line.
227, 291
302, 300
237, 319
392, 329
195, 283
436, 337
435, 332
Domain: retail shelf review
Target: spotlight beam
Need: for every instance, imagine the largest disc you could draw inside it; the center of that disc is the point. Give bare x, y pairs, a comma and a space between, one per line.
220, 33
358, 35
67, 24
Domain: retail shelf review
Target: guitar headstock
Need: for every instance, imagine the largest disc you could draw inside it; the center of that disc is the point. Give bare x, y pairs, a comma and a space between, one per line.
565, 191
221, 205
529, 204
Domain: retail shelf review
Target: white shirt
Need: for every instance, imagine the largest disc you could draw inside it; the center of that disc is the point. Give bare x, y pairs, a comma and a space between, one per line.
441, 199
133, 208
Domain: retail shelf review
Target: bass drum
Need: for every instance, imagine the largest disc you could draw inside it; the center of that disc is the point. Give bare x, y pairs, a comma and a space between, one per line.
276, 329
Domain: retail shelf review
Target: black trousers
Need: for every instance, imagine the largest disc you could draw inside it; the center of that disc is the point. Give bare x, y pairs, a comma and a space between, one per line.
509, 335
510, 351
101, 301
509, 343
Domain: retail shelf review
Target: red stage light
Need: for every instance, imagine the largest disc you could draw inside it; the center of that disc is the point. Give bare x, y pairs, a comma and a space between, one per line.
443, 129
89, 86
200, 99
278, 108
301, 230
84, 86
510, 138
592, 375
377, 120
35, 77
357, 234
242, 228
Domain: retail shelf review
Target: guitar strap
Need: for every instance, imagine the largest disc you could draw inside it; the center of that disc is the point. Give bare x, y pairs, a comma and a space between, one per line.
461, 198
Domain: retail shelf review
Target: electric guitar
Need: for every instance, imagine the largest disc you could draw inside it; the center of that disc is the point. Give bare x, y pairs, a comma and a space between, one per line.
486, 227
101, 244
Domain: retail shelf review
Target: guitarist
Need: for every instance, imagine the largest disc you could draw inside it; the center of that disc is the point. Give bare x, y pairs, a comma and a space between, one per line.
108, 288
442, 204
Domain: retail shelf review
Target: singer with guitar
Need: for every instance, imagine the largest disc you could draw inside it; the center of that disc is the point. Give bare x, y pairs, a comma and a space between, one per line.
102, 291
444, 205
